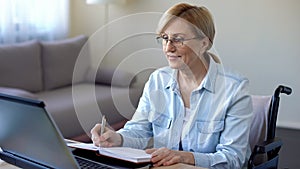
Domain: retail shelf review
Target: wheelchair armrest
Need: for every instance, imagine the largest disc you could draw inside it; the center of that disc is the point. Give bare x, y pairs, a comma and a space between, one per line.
265, 153
267, 146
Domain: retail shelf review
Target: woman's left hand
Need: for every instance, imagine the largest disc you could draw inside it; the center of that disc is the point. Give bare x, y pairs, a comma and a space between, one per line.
164, 157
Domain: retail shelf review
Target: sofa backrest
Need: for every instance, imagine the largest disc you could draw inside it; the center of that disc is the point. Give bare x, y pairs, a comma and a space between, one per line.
36, 66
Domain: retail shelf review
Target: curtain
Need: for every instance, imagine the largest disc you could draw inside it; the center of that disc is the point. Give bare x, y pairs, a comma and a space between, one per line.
22, 20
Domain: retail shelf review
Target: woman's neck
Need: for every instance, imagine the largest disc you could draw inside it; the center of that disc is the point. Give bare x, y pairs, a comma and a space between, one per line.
193, 74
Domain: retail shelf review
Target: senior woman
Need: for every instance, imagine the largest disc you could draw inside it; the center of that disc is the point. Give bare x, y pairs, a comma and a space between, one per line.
193, 111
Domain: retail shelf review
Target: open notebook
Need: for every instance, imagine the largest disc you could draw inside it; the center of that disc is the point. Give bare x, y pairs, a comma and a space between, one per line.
122, 153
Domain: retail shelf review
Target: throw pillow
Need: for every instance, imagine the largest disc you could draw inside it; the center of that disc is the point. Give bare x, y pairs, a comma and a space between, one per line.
58, 60
20, 66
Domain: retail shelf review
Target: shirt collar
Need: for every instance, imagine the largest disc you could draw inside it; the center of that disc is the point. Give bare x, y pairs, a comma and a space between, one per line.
172, 84
209, 80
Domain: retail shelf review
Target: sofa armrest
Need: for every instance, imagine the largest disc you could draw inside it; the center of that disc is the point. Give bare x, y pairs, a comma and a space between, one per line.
111, 77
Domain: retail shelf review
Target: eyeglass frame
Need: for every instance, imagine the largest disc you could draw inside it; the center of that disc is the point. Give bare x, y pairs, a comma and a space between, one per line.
161, 40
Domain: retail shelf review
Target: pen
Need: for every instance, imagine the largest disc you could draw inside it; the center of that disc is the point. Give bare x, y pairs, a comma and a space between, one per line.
103, 124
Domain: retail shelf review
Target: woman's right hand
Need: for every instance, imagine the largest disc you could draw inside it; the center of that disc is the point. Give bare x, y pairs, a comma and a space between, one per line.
109, 138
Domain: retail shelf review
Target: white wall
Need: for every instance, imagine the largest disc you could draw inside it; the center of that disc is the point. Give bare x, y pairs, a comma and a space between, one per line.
258, 38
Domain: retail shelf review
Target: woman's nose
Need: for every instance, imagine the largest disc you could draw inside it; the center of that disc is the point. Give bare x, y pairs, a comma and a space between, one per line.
169, 47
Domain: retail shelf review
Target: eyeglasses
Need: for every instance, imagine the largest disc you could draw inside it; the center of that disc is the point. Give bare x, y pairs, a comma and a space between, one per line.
176, 41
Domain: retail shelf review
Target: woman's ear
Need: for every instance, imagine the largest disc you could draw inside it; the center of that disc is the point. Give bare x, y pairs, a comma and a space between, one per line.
204, 45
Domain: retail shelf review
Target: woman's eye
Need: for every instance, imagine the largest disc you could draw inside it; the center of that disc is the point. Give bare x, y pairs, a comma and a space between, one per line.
164, 36
178, 39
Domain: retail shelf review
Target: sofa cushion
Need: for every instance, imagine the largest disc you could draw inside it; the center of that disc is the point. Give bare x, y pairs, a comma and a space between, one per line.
20, 66
79, 105
17, 92
58, 60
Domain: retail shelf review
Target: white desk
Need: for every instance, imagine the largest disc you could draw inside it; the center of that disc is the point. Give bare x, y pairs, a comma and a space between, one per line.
4, 165
179, 166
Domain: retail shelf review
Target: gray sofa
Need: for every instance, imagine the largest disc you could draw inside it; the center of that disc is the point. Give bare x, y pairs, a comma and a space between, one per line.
44, 70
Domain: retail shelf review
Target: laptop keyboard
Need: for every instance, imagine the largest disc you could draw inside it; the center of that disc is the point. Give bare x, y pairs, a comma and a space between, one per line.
84, 163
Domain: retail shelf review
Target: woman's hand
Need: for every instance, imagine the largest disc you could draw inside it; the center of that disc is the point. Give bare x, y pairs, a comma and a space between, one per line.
164, 157
109, 139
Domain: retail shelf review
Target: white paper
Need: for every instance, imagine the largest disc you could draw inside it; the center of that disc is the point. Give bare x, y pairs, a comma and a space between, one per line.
86, 146
126, 153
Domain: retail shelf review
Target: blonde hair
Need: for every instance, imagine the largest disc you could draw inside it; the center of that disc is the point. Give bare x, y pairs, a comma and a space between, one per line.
199, 17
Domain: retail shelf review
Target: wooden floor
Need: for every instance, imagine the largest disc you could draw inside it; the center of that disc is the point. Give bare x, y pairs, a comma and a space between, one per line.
289, 156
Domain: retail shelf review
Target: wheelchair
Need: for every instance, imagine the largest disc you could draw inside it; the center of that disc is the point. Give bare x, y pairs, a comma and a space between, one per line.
265, 146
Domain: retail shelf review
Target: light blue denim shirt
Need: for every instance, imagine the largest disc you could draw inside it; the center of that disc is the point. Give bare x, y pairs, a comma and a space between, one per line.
218, 130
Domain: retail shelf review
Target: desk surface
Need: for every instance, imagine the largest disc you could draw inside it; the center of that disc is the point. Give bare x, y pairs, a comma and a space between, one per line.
4, 165
179, 166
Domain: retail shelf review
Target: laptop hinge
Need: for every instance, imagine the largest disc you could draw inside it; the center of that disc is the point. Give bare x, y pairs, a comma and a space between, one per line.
19, 161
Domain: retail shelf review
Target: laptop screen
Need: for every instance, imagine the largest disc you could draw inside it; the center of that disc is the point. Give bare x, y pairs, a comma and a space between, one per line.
27, 131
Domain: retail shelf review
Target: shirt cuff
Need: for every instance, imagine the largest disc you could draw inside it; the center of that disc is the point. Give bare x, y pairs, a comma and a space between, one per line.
202, 160
128, 141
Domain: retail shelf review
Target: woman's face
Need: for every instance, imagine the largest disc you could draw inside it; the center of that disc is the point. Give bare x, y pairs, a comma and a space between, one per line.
187, 53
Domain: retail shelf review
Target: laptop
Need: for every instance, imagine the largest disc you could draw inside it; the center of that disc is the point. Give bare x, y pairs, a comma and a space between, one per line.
29, 138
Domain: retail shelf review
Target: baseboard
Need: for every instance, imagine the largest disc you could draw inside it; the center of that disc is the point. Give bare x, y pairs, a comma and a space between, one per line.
290, 125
